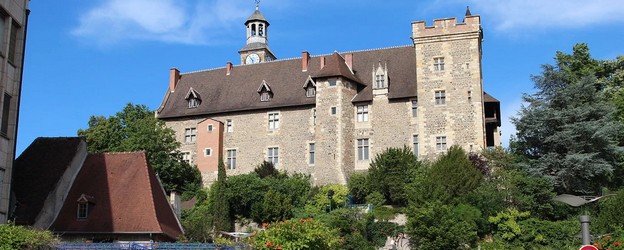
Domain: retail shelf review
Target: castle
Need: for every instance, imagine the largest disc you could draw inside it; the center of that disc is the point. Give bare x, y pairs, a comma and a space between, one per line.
329, 115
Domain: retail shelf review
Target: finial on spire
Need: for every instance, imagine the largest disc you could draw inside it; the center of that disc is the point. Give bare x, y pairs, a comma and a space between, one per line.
467, 11
257, 4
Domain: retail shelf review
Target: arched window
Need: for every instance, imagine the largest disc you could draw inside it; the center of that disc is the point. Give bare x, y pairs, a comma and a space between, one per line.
261, 30
253, 29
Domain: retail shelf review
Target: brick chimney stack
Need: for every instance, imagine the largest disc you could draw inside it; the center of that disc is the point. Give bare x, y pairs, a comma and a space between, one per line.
322, 62
349, 60
305, 60
228, 68
174, 76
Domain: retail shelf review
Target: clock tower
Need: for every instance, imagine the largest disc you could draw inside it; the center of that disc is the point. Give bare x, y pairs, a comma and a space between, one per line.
256, 49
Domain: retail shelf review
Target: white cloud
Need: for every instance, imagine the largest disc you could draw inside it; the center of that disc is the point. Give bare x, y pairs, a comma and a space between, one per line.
514, 15
181, 21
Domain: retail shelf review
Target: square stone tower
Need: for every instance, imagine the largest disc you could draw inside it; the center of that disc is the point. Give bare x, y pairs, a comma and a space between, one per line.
449, 84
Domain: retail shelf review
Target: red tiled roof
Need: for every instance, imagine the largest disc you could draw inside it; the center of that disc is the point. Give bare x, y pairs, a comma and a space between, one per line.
128, 198
37, 171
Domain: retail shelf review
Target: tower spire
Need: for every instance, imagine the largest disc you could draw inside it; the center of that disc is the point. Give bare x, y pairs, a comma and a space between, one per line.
467, 9
257, 4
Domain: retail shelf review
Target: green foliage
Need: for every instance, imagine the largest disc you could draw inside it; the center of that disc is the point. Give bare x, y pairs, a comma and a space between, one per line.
378, 232
222, 219
19, 237
275, 206
569, 131
135, 128
266, 169
439, 226
375, 198
321, 201
358, 187
297, 234
610, 216
198, 223
614, 241
388, 174
243, 191
507, 223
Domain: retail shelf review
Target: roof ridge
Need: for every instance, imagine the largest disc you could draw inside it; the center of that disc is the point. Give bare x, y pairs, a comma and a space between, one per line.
119, 153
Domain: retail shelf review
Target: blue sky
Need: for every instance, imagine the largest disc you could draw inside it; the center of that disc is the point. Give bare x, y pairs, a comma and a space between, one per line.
92, 57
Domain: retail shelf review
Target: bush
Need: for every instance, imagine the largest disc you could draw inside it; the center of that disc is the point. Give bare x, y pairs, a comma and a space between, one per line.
388, 174
19, 237
378, 232
375, 198
358, 187
439, 226
297, 234
321, 201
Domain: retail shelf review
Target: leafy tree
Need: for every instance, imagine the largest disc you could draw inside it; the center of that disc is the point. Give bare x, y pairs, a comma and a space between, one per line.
198, 222
135, 128
19, 237
243, 191
358, 187
388, 173
266, 169
222, 219
610, 214
568, 130
275, 206
439, 226
297, 234
321, 201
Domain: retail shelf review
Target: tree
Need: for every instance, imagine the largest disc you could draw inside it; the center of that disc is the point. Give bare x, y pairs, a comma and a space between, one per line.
440, 226
358, 187
222, 219
19, 237
135, 128
297, 234
568, 130
266, 169
389, 173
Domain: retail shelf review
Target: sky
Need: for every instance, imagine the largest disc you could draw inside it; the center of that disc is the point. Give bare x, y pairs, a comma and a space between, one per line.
86, 58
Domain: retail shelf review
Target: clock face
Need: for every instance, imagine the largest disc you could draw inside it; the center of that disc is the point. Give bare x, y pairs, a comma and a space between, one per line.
252, 58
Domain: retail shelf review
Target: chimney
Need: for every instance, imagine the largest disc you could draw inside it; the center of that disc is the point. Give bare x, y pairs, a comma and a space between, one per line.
174, 76
176, 203
305, 59
322, 62
228, 68
349, 60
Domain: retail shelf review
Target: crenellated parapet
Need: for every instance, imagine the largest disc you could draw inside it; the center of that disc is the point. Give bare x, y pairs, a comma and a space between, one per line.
446, 29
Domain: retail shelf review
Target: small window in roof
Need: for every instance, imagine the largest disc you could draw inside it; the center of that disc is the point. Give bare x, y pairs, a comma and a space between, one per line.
265, 92
193, 98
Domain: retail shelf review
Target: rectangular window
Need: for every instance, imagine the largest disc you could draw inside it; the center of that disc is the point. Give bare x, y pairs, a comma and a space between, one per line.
273, 121
415, 145
273, 156
362, 147
3, 21
438, 64
83, 209
6, 111
228, 126
414, 108
311, 91
13, 43
362, 113
190, 135
332, 82
380, 81
333, 110
441, 143
312, 151
207, 152
231, 158
186, 156
265, 96
440, 97
210, 128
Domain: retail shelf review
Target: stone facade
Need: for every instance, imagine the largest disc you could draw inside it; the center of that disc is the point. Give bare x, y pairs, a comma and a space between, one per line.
426, 96
14, 16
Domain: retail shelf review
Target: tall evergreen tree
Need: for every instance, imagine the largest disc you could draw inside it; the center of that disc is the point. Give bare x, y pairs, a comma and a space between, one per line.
568, 130
220, 205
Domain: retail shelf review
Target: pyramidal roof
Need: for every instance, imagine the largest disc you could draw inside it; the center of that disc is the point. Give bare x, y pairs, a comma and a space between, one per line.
257, 16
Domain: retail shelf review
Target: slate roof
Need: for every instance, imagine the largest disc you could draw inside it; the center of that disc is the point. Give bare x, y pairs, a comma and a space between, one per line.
223, 93
128, 198
257, 16
37, 171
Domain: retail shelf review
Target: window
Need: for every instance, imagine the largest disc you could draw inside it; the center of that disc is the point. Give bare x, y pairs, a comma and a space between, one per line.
228, 126
273, 156
333, 110
362, 147
379, 81
207, 152
83, 209
273, 121
6, 111
362, 113
210, 128
3, 24
311, 91
311, 151
438, 64
415, 145
314, 116
414, 108
440, 97
332, 82
265, 96
12, 43
190, 134
231, 158
186, 156
193, 103
441, 143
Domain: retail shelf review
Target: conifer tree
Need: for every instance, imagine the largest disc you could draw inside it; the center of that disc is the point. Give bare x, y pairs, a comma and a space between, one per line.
220, 203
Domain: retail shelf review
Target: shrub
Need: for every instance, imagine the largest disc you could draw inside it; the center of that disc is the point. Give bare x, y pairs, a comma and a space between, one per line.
19, 237
297, 234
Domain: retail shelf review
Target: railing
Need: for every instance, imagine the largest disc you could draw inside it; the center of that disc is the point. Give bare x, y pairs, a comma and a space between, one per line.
140, 246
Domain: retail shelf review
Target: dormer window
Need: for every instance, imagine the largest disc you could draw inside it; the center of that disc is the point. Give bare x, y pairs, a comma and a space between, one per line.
266, 94
310, 87
83, 206
193, 98
380, 76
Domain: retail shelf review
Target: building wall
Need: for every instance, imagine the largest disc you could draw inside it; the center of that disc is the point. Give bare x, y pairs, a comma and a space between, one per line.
13, 14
